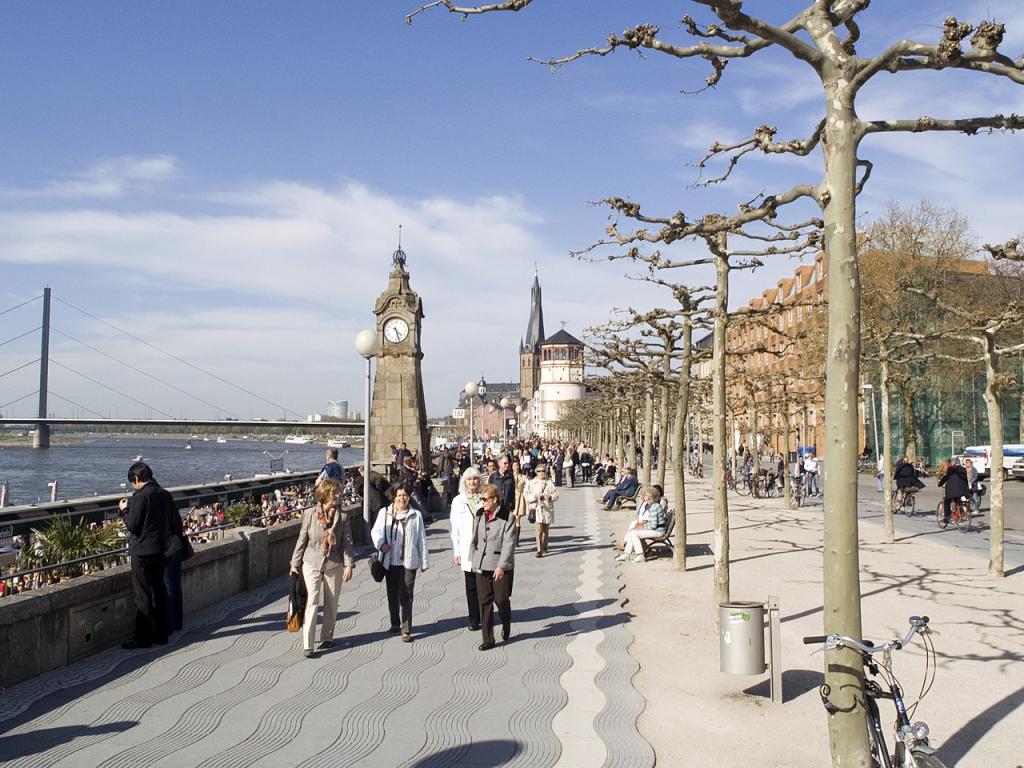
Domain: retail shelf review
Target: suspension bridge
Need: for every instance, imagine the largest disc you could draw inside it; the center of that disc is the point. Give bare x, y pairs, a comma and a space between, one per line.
42, 420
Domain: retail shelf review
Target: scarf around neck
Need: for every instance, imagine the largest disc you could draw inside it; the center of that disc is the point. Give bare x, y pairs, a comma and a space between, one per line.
327, 518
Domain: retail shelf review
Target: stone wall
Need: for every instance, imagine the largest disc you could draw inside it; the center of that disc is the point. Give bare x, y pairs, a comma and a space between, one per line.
53, 626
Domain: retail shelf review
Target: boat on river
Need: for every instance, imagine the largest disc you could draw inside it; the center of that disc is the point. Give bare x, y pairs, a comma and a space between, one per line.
297, 439
338, 443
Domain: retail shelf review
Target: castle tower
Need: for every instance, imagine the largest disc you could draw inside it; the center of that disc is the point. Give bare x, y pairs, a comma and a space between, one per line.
561, 379
529, 347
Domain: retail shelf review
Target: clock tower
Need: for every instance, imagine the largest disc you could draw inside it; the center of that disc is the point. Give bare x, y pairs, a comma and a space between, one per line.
398, 413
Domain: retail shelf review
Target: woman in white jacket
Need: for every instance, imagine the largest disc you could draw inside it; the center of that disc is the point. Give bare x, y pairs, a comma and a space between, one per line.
400, 534
463, 520
540, 494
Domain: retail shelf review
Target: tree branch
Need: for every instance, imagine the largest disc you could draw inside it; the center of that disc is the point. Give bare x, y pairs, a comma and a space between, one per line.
970, 125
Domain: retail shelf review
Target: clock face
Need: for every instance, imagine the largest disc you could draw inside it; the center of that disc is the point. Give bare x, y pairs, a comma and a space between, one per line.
396, 329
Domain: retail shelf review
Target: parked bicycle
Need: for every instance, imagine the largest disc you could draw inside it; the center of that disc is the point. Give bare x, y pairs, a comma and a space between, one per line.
903, 500
744, 482
697, 465
959, 514
912, 748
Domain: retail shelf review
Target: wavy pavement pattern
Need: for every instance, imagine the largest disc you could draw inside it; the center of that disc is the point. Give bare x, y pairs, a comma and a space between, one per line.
19, 698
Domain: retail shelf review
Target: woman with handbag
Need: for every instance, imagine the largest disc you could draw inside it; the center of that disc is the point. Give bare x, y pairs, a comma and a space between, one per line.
325, 554
540, 494
400, 535
462, 519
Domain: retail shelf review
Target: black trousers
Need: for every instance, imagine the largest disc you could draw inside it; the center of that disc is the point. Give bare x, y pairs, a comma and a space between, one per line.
472, 599
400, 582
494, 593
150, 599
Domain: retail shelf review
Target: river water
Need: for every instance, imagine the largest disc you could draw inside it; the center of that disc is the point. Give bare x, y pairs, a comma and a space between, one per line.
100, 465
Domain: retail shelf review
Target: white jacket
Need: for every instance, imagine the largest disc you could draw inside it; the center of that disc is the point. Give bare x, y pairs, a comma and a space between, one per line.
463, 520
408, 537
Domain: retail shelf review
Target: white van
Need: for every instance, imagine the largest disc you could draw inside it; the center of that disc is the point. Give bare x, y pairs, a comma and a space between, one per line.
981, 456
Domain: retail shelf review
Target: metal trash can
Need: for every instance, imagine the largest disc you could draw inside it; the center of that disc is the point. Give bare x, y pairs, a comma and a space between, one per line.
741, 637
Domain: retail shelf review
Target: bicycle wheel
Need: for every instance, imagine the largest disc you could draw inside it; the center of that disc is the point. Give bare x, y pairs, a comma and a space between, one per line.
743, 487
962, 516
910, 504
925, 760
940, 515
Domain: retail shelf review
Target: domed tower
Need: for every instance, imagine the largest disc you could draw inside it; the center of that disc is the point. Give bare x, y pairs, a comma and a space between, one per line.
529, 347
561, 379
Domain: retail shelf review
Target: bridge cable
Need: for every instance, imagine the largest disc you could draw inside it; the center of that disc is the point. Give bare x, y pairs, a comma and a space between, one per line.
23, 397
179, 359
144, 373
77, 405
23, 365
19, 306
20, 335
115, 391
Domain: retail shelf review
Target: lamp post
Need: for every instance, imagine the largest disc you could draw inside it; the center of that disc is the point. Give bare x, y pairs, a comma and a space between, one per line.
870, 390
519, 419
504, 403
366, 345
471, 389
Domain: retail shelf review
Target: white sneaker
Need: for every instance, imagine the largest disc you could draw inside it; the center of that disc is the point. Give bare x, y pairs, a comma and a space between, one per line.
639, 559
622, 557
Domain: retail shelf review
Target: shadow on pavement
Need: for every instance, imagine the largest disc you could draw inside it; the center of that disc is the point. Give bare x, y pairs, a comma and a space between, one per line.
483, 754
42, 739
960, 743
795, 683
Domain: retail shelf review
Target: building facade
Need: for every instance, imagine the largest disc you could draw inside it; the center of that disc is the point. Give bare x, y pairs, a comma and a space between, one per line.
561, 380
529, 346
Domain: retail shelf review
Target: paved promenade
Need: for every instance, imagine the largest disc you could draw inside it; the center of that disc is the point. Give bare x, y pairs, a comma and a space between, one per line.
233, 689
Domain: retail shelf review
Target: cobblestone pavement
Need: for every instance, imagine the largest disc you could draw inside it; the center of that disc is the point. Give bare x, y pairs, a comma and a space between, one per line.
234, 689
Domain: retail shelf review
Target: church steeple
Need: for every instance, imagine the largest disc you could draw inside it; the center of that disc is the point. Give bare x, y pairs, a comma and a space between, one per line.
529, 347
535, 328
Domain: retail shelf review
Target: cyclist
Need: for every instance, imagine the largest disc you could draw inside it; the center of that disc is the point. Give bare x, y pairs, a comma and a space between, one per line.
906, 476
972, 482
955, 483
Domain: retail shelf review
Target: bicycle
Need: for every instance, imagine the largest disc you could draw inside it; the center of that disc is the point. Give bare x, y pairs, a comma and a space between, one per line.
903, 500
959, 514
797, 492
911, 739
743, 483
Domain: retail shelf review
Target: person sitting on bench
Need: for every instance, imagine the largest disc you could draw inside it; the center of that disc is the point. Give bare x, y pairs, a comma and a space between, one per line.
650, 523
626, 487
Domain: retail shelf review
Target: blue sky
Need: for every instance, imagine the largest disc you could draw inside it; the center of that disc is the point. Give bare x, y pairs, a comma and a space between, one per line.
226, 179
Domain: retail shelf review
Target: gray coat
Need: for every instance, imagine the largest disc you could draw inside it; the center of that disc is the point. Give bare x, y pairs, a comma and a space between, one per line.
309, 547
494, 543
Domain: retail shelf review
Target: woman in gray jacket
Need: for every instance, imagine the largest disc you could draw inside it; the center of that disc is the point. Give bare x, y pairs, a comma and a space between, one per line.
493, 553
324, 553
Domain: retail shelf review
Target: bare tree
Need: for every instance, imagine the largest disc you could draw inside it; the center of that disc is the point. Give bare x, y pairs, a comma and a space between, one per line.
823, 37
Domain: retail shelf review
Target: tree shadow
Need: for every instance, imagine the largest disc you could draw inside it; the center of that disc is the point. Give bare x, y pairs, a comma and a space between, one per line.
43, 739
970, 733
795, 683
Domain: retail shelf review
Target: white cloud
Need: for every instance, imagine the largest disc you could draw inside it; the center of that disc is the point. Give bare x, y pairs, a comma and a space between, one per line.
112, 177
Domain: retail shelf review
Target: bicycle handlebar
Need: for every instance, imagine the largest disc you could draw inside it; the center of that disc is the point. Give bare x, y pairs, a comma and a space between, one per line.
918, 624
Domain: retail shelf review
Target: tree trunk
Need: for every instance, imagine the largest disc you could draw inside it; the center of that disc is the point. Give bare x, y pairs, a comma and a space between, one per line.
890, 528
995, 438
680, 450
787, 485
648, 434
909, 420
663, 433
841, 561
718, 426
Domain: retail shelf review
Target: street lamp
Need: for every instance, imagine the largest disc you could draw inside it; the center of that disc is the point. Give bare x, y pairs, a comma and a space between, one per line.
870, 390
519, 418
471, 389
366, 345
504, 403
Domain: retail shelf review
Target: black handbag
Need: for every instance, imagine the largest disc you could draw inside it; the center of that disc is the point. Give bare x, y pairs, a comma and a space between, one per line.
377, 569
179, 543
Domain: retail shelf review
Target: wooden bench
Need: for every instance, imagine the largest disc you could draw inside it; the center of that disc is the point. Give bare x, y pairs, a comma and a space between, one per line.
664, 541
631, 501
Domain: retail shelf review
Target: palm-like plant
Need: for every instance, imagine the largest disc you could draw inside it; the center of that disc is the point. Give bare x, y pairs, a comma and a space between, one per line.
65, 539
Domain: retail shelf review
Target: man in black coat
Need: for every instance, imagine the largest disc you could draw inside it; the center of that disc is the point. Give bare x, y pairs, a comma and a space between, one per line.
956, 485
147, 516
